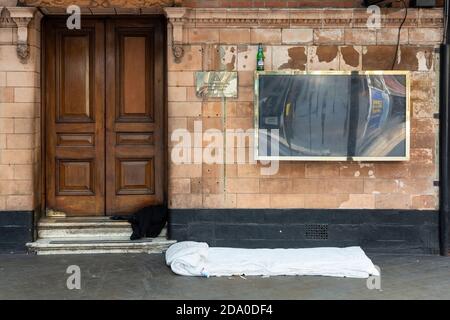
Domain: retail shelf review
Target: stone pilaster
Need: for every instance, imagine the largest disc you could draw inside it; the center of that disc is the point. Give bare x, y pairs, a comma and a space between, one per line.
19, 109
177, 18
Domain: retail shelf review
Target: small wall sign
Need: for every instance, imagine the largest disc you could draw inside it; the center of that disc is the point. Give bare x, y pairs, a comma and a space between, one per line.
213, 84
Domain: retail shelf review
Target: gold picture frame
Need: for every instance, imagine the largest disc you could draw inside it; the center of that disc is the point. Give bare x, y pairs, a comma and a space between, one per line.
407, 75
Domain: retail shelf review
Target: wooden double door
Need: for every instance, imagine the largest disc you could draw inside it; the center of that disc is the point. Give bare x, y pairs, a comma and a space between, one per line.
104, 115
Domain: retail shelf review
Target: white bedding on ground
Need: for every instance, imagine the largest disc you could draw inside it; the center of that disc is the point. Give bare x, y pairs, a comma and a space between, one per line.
190, 258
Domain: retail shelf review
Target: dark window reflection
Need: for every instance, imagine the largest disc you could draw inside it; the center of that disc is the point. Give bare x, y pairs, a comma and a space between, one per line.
317, 116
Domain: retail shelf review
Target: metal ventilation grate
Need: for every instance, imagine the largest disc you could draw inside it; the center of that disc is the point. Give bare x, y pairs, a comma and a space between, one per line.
316, 231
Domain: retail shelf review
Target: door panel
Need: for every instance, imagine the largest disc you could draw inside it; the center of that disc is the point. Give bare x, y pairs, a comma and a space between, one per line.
135, 176
74, 69
74, 77
134, 115
75, 177
75, 139
135, 103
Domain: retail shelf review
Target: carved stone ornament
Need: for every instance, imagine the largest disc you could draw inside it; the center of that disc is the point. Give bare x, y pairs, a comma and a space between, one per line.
176, 17
21, 16
102, 3
23, 51
178, 52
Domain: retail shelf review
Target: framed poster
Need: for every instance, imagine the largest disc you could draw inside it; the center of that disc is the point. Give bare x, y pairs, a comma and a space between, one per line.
332, 115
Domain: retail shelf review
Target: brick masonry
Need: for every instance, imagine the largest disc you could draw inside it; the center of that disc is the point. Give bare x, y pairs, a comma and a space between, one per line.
20, 106
321, 39
309, 39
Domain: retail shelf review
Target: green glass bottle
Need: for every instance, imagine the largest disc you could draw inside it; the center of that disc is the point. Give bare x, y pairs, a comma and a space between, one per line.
260, 58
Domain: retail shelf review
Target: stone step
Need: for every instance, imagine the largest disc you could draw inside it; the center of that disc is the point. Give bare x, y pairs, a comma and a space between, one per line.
92, 227
92, 235
94, 245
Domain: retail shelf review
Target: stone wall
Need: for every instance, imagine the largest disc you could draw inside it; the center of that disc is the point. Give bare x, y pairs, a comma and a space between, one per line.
322, 39
19, 113
226, 39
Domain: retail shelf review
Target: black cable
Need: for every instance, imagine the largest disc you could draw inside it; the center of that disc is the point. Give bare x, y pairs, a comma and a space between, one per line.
399, 33
444, 33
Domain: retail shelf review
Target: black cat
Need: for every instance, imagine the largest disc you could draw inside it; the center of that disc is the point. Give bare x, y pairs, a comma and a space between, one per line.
146, 222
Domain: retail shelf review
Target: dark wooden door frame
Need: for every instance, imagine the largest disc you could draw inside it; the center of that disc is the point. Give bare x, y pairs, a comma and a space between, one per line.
42, 207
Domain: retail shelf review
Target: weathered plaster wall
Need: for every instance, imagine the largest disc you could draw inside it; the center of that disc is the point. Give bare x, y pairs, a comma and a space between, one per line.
216, 39
19, 117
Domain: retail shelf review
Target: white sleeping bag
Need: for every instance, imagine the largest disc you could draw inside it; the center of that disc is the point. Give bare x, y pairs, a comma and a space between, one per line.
190, 258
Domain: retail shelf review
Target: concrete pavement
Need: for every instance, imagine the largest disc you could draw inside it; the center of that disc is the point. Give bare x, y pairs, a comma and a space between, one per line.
145, 276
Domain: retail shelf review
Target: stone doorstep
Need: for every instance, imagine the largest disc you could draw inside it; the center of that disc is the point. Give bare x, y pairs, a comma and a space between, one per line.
81, 222
98, 228
92, 235
96, 246
82, 227
99, 232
